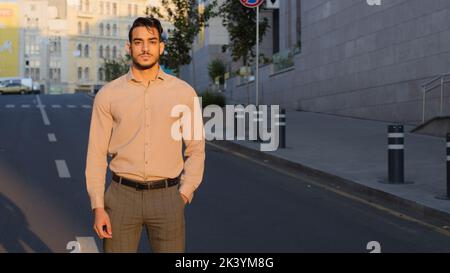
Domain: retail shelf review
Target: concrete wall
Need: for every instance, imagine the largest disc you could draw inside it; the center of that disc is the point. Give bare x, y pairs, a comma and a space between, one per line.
364, 61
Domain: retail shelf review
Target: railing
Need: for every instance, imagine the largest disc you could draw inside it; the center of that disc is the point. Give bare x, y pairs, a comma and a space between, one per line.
439, 81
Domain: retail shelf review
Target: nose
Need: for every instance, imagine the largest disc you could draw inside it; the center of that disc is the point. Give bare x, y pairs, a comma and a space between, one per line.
145, 47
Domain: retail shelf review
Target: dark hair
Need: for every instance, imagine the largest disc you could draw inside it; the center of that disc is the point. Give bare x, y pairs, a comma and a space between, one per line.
147, 22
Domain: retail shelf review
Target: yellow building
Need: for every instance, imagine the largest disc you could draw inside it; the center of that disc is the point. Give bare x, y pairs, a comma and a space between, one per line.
97, 30
9, 40
62, 44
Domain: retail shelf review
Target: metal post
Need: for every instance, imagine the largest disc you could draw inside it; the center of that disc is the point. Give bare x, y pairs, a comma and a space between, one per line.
395, 154
448, 165
282, 128
257, 57
257, 74
447, 196
423, 105
442, 96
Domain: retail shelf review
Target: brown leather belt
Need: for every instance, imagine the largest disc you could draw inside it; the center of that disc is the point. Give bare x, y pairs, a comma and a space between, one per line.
151, 185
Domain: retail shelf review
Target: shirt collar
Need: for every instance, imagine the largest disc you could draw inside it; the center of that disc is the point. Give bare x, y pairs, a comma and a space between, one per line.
161, 75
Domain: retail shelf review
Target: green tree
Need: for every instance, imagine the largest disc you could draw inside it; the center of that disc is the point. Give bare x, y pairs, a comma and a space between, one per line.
216, 68
187, 19
116, 68
240, 22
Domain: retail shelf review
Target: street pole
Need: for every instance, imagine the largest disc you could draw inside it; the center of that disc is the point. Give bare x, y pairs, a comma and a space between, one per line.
257, 58
257, 75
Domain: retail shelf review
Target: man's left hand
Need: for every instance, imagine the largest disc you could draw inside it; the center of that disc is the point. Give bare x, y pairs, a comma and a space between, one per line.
185, 199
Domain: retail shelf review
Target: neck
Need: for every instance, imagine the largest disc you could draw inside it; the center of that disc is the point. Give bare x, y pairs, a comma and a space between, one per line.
145, 75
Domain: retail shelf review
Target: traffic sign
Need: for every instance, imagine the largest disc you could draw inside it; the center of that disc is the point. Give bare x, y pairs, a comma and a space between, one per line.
251, 3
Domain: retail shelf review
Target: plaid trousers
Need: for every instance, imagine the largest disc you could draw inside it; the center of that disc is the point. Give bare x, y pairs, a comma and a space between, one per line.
161, 211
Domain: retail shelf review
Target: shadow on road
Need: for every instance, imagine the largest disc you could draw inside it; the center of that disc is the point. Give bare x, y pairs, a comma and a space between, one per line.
14, 231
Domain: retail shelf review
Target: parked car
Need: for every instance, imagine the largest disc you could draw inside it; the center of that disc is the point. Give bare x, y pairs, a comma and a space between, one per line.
14, 87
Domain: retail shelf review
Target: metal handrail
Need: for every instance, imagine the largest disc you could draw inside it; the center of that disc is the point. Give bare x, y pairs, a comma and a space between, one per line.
426, 88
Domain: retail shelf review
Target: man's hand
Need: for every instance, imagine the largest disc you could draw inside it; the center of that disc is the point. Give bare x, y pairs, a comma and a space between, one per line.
185, 199
102, 220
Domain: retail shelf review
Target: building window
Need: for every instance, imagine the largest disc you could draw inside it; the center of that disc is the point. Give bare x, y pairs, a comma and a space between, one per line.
108, 8
86, 73
87, 6
80, 73
114, 30
108, 30
101, 74
79, 49
114, 52
80, 28
135, 10
129, 10
86, 51
100, 52
107, 53
102, 7
86, 28
115, 8
102, 29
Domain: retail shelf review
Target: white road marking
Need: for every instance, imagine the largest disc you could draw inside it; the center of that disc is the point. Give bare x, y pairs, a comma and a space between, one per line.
25, 106
44, 114
56, 106
63, 171
87, 244
51, 137
10, 106
86, 106
71, 106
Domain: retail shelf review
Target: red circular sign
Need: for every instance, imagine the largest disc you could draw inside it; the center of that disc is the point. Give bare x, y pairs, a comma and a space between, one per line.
251, 3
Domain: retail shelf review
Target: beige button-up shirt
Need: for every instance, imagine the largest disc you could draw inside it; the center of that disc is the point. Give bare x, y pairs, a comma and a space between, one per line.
133, 124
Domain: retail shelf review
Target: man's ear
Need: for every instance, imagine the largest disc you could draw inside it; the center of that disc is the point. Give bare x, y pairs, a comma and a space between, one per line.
128, 48
161, 48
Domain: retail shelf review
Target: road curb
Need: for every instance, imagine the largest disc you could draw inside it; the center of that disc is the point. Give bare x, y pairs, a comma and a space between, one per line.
391, 201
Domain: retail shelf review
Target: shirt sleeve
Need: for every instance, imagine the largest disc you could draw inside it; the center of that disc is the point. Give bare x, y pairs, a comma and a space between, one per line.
96, 161
194, 139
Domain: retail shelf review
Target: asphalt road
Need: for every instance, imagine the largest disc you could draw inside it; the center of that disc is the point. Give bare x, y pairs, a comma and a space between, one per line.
240, 206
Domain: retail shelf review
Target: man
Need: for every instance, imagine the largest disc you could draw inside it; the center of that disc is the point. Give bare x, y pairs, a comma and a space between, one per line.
133, 122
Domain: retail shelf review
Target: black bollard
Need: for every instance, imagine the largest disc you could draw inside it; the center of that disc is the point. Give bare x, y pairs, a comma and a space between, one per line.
396, 154
282, 128
447, 196
448, 166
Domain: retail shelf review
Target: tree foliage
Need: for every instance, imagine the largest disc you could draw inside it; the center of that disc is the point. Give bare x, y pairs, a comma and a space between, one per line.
187, 19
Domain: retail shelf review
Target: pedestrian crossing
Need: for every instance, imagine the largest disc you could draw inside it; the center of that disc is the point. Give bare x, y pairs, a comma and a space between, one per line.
53, 106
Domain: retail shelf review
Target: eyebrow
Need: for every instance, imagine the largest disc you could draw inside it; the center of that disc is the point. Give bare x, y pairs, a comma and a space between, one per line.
140, 39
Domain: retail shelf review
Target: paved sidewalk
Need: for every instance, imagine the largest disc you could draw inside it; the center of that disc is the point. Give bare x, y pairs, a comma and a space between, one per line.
356, 150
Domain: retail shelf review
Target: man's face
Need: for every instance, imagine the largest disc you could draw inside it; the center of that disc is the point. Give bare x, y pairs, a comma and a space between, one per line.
145, 47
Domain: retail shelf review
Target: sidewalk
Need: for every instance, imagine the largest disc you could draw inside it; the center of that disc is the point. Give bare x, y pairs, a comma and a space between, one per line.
353, 153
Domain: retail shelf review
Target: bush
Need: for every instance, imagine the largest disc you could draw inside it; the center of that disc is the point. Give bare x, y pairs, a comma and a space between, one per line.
209, 98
